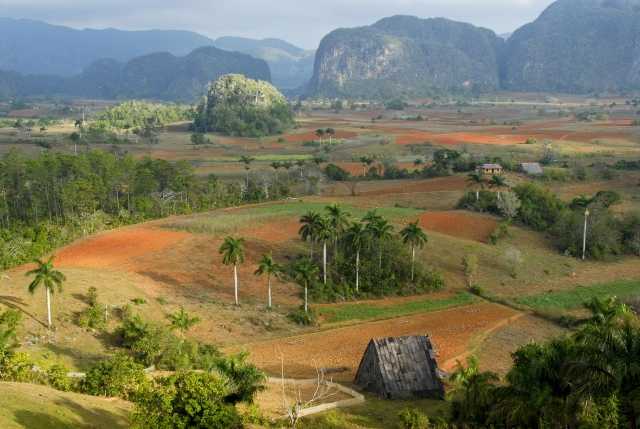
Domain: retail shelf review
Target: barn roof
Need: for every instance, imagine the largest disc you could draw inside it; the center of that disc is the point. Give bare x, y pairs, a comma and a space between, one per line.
406, 365
490, 166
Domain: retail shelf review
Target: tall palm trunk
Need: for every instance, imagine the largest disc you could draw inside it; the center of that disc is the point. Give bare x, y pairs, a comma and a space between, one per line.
477, 195
48, 307
235, 282
269, 288
413, 261
306, 299
324, 260
357, 270
380, 256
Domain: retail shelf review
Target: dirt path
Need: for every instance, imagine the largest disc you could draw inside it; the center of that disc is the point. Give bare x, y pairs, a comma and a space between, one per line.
340, 350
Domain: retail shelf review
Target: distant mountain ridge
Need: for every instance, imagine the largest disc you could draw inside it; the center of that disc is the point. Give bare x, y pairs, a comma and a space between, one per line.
160, 76
291, 66
34, 47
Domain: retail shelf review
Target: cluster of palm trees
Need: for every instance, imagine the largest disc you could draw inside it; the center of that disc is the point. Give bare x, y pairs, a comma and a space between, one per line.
330, 132
478, 182
589, 379
335, 226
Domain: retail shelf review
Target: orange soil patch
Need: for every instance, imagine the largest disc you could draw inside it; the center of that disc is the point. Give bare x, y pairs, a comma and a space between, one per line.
460, 138
311, 135
452, 332
278, 231
112, 249
464, 225
451, 183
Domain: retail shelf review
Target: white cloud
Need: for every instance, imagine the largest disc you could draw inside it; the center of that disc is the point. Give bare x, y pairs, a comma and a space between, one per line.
303, 22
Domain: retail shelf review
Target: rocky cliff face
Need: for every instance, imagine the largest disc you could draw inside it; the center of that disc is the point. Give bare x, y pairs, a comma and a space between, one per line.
405, 54
576, 46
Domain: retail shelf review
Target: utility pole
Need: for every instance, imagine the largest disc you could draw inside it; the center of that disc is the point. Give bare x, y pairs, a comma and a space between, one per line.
584, 235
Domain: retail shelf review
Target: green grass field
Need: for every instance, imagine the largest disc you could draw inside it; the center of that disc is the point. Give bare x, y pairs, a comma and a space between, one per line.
39, 407
575, 298
363, 312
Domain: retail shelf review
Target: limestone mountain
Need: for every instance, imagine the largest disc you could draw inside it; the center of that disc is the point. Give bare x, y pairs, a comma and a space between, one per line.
577, 46
291, 66
407, 55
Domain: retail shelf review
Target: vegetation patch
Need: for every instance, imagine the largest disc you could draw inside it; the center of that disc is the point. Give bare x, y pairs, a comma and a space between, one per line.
350, 312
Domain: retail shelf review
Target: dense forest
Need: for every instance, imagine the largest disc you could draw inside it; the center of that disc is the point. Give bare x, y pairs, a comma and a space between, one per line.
54, 198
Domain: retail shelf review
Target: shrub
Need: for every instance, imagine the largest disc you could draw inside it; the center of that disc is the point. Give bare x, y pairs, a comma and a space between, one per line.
187, 400
336, 173
93, 317
119, 376
539, 209
411, 418
308, 318
247, 380
58, 379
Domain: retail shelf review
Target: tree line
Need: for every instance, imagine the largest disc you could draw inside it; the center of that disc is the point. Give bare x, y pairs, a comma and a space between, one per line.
51, 199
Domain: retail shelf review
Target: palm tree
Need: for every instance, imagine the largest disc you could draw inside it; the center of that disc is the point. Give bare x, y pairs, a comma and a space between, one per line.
331, 133
414, 236
269, 267
276, 166
477, 182
181, 321
232, 251
473, 389
310, 226
304, 272
498, 182
320, 133
366, 161
356, 236
247, 160
50, 278
380, 229
339, 220
325, 233
301, 163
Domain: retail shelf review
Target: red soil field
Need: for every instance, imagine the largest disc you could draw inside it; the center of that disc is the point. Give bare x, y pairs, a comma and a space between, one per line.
452, 331
115, 248
468, 226
277, 231
451, 183
460, 138
356, 168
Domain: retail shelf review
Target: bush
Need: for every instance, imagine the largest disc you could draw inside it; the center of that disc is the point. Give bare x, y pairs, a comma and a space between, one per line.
93, 317
411, 418
119, 376
58, 379
187, 400
603, 234
304, 318
247, 380
336, 173
539, 208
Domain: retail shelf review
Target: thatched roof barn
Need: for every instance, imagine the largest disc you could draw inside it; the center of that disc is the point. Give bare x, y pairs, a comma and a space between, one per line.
400, 368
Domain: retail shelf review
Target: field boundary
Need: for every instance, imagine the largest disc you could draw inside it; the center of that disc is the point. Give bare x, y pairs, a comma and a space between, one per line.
356, 398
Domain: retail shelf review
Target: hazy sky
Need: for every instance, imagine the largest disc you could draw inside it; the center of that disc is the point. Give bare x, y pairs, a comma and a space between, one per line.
302, 22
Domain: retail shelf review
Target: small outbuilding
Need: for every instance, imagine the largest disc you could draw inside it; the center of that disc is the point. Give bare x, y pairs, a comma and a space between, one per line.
490, 169
400, 368
531, 168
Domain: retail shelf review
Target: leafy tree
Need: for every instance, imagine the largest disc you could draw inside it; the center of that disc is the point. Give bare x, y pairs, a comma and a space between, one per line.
119, 376
305, 273
267, 266
509, 204
47, 276
415, 237
181, 321
187, 400
470, 268
232, 251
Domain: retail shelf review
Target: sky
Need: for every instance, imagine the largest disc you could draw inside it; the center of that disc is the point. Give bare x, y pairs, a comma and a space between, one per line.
302, 22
